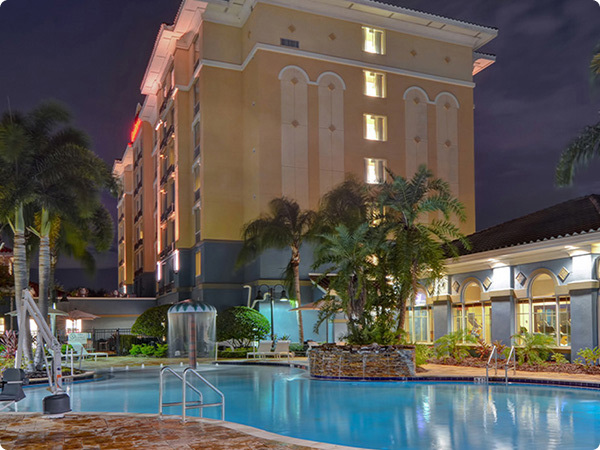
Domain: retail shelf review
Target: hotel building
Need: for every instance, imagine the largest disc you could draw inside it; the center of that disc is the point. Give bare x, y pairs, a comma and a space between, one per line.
249, 100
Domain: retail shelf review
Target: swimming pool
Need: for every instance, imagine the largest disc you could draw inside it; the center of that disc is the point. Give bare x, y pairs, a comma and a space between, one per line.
389, 415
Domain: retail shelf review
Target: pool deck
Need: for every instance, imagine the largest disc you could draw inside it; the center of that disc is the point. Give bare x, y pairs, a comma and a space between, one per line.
91, 431
133, 431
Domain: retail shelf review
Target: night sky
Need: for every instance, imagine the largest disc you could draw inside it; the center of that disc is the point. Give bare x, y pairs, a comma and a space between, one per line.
528, 105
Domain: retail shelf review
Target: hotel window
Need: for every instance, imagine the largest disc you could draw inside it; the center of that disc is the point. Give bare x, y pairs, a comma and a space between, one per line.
196, 139
374, 171
375, 127
375, 84
545, 312
473, 315
373, 41
196, 97
419, 320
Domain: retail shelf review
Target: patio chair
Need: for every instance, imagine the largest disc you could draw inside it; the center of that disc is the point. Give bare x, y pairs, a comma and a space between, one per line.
282, 348
83, 353
264, 349
12, 387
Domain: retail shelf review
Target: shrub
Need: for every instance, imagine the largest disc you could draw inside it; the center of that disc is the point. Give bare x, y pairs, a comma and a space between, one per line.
152, 322
501, 349
588, 356
483, 349
559, 358
242, 326
234, 354
136, 349
9, 341
451, 345
147, 350
534, 347
422, 354
161, 350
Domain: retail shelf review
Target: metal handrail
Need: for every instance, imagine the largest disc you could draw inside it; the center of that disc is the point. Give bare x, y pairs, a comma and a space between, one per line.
200, 404
161, 404
494, 355
513, 355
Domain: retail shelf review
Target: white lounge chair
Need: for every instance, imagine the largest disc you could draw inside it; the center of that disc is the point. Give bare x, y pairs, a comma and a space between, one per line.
282, 348
264, 349
83, 353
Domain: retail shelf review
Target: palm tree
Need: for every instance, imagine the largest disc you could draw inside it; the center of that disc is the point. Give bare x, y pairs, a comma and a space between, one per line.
57, 175
584, 147
284, 226
419, 246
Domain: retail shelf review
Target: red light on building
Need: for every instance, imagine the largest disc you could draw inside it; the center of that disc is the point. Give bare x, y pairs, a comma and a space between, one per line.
136, 128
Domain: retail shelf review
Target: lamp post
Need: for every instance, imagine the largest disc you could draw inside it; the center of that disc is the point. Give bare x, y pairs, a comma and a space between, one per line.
270, 291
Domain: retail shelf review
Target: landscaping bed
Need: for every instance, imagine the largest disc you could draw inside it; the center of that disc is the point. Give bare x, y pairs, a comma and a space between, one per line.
571, 368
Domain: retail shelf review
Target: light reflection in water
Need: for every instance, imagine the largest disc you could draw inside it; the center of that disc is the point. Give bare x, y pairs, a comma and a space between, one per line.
373, 415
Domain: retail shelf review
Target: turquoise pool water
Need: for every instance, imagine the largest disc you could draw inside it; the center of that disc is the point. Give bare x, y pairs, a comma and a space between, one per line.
390, 415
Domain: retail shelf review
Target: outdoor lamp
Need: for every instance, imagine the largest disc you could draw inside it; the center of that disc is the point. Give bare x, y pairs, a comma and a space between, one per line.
269, 291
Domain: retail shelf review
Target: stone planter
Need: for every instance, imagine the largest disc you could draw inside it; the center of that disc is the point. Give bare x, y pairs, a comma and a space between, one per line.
362, 362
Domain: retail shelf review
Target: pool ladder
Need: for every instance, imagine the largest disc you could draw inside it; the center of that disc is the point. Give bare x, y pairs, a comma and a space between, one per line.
185, 384
507, 365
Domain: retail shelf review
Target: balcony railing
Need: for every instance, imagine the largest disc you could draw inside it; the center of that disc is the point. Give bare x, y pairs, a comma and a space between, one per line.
167, 212
196, 109
198, 238
196, 151
138, 244
168, 171
167, 251
197, 195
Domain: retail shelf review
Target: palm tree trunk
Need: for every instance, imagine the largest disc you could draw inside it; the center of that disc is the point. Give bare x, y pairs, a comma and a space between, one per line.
44, 277
296, 271
20, 269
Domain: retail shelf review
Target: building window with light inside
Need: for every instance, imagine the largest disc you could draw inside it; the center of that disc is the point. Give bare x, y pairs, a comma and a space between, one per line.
374, 171
375, 127
544, 312
473, 315
373, 40
418, 322
2, 325
374, 84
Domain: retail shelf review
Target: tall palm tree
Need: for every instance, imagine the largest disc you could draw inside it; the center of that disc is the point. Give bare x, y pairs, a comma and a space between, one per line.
584, 147
419, 246
284, 226
57, 175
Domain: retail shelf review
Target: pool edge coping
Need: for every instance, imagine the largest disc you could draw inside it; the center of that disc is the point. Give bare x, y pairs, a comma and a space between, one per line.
595, 385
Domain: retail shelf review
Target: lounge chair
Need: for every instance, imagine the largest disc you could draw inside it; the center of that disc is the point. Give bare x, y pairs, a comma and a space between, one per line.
83, 353
264, 349
12, 387
282, 348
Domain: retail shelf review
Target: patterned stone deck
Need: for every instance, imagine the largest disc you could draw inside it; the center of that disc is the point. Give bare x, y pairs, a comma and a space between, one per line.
137, 431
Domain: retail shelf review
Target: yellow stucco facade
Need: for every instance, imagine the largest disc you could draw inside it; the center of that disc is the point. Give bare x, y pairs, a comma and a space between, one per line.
259, 99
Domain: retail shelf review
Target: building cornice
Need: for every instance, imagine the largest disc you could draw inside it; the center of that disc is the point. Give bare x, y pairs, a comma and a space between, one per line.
550, 249
367, 12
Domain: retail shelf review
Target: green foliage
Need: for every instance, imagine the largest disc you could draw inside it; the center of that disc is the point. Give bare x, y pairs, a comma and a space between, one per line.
238, 353
136, 349
422, 354
126, 341
152, 322
452, 345
534, 348
559, 358
381, 247
158, 350
161, 350
588, 356
242, 326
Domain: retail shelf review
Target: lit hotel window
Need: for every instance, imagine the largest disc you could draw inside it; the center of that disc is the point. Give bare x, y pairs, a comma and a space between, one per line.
374, 84
373, 41
374, 170
375, 127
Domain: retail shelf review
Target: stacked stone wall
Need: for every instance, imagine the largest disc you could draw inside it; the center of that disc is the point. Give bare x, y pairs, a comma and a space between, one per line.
362, 362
